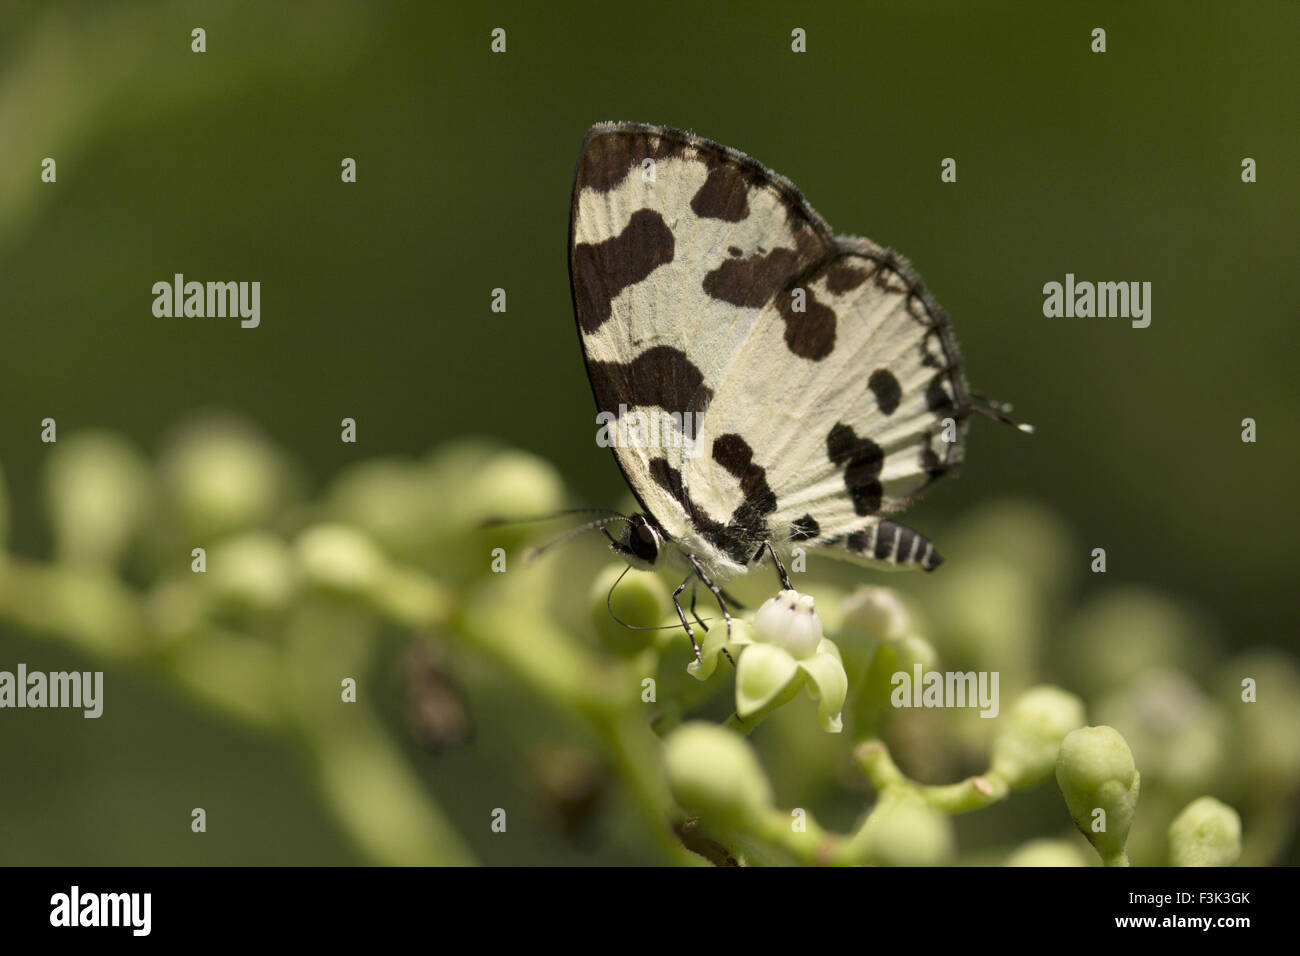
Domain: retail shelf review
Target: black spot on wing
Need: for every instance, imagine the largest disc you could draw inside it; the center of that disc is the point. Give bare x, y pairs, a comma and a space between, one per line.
669, 479
809, 334
602, 270
931, 464
928, 358
724, 195
660, 377
752, 281
804, 529
863, 483
734, 454
862, 460
937, 398
886, 389
609, 157
842, 278
736, 539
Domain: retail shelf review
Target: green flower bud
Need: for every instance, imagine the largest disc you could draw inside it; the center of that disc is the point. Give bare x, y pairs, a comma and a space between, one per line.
507, 483
1048, 853
765, 678
391, 501
413, 599
876, 610
789, 621
339, 558
1100, 783
714, 773
639, 600
223, 477
470, 482
1206, 833
904, 831
518, 479
97, 492
254, 571
1025, 751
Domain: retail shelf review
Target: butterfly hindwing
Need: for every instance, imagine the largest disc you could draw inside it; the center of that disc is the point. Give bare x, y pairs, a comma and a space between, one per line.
816, 379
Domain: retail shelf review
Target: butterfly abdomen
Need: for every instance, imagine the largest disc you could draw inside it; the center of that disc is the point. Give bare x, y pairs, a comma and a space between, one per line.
892, 545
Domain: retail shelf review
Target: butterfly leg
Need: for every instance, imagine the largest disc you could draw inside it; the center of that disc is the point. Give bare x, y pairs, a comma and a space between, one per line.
693, 614
682, 617
780, 568
718, 594
716, 591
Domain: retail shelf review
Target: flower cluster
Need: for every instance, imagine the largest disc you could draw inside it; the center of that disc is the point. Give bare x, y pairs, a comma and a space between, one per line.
212, 567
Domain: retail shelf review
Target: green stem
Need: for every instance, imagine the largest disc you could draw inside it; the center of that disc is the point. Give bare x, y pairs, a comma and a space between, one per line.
973, 793
811, 844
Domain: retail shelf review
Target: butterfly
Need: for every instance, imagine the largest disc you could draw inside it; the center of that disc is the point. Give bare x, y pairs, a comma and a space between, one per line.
765, 384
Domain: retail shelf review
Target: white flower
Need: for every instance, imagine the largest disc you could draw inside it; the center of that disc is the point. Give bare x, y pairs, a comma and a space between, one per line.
789, 620
782, 651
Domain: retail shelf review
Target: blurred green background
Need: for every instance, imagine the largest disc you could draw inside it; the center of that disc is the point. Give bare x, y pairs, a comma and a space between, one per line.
376, 299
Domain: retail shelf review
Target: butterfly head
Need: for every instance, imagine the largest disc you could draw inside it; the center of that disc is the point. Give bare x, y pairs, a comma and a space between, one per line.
640, 544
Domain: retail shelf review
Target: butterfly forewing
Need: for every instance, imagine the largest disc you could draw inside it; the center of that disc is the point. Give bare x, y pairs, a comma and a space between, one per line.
816, 380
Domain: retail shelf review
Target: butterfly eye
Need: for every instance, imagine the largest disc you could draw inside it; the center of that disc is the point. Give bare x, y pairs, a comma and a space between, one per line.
642, 541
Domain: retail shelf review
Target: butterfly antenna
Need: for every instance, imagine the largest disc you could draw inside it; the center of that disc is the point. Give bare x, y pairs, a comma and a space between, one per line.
609, 604
493, 520
998, 411
532, 554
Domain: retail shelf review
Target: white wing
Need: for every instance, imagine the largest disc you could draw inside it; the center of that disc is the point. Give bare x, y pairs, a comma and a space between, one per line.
819, 370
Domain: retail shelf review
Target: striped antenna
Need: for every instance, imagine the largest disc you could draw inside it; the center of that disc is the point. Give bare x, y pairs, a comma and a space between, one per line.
998, 411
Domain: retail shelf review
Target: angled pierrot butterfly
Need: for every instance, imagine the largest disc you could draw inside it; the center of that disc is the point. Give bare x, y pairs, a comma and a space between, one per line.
765, 383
